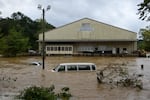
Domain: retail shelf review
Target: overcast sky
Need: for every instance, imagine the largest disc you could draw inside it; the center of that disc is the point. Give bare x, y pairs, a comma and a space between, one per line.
120, 13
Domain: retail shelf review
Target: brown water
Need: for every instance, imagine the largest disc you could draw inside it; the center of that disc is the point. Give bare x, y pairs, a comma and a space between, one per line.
16, 74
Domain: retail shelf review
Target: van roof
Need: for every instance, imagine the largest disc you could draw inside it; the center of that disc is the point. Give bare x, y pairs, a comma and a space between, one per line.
77, 64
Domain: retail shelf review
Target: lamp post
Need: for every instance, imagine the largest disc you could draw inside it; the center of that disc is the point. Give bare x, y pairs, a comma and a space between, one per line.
43, 29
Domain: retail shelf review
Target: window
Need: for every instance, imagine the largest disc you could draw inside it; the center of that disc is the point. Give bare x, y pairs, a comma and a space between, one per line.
124, 49
72, 68
62, 48
52, 49
55, 48
84, 67
86, 48
93, 67
48, 48
66, 48
61, 68
86, 27
59, 48
70, 48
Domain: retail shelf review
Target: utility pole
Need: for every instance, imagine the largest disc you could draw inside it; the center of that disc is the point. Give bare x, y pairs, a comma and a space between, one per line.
43, 29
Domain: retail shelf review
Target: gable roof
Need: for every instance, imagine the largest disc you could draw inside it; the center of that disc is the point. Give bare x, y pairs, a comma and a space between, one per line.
88, 30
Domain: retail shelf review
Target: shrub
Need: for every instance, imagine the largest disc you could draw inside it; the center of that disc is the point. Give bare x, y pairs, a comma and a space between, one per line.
43, 93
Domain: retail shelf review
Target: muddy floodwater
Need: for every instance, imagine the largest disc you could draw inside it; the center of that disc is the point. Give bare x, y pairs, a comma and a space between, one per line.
17, 74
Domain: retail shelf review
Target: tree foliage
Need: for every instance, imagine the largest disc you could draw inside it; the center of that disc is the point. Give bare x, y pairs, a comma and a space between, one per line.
144, 10
145, 43
146, 40
13, 44
20, 26
5, 26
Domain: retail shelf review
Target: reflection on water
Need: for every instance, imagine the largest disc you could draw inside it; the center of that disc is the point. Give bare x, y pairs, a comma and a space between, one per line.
16, 74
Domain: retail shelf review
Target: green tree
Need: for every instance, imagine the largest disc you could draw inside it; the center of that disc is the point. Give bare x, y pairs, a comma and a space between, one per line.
13, 44
145, 43
144, 10
25, 26
29, 28
146, 40
5, 26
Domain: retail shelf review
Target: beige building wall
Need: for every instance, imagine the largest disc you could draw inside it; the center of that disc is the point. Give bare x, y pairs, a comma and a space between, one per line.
99, 31
88, 32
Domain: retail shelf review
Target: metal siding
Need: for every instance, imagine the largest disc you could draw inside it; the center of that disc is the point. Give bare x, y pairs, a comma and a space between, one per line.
100, 31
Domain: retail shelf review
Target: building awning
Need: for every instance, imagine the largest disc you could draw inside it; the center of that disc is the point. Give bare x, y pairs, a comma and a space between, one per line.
122, 40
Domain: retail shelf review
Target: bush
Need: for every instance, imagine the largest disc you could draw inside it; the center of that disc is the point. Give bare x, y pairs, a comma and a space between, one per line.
64, 94
42, 93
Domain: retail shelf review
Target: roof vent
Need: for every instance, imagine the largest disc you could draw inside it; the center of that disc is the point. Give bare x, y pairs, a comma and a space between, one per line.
86, 27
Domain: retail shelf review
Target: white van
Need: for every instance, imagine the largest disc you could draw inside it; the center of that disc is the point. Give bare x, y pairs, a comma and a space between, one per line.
74, 67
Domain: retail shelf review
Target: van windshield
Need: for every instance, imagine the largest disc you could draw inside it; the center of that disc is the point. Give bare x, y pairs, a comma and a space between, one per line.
61, 68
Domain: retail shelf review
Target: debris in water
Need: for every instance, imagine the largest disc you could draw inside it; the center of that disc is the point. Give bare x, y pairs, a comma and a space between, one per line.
119, 76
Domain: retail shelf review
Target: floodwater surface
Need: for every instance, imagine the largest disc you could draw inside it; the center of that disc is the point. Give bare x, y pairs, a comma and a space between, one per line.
17, 74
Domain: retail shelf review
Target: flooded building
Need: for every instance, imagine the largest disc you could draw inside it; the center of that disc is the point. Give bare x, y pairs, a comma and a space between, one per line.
88, 36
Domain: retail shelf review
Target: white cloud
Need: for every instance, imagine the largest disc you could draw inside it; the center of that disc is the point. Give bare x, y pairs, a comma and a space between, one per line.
118, 13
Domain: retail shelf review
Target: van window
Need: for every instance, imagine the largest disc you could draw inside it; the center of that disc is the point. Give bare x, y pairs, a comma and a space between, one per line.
71, 67
93, 67
84, 67
61, 68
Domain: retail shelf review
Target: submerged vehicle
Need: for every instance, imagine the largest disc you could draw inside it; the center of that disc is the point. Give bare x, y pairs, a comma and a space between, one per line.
64, 67
36, 63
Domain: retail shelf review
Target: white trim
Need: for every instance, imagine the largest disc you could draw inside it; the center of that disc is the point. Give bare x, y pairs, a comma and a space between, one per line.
59, 49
